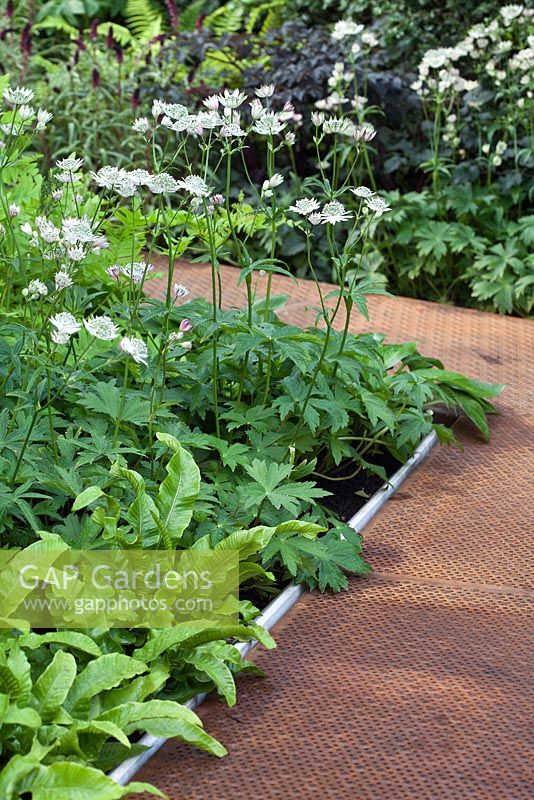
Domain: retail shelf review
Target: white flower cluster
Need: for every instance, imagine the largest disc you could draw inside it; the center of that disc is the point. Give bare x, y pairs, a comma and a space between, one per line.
222, 114
125, 182
73, 241
348, 29
334, 211
437, 73
102, 327
23, 115
492, 44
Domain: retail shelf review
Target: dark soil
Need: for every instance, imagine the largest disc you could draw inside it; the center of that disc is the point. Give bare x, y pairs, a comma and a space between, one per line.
350, 494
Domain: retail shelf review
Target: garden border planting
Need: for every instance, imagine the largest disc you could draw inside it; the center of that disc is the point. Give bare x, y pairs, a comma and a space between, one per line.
279, 607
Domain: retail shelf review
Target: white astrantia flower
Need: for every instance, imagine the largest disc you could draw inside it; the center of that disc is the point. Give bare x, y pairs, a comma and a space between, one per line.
140, 176
47, 230
137, 271
334, 212
119, 180
267, 90
179, 290
135, 348
141, 125
377, 205
99, 243
75, 230
69, 164
209, 119
62, 280
233, 99
315, 218
362, 191
231, 130
334, 125
25, 113
269, 124
346, 27
67, 177
18, 96
76, 253
60, 337
271, 183
211, 103
34, 290
508, 13
369, 39
305, 206
43, 118
65, 322
195, 185
174, 110
102, 328
256, 108
181, 124
161, 183
365, 132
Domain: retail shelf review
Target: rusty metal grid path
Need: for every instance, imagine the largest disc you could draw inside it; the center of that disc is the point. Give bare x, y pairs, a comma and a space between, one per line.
416, 684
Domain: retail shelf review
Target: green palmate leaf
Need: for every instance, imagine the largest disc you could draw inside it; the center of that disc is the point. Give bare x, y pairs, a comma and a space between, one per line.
377, 409
178, 493
53, 685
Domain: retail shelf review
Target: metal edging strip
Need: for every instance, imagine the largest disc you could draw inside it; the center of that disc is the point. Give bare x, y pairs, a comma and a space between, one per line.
278, 607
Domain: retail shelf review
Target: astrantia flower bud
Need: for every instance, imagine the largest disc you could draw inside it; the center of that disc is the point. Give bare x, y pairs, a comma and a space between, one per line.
14, 210
186, 325
317, 118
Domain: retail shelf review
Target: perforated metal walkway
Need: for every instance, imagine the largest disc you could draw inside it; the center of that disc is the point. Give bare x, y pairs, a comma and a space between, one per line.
417, 682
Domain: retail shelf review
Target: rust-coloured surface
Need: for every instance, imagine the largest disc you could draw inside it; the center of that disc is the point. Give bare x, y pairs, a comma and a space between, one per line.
416, 684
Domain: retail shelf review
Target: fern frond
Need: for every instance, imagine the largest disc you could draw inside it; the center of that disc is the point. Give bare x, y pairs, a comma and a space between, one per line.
144, 21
